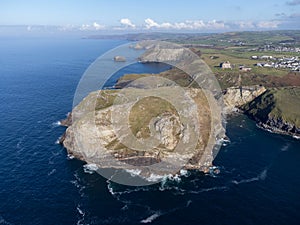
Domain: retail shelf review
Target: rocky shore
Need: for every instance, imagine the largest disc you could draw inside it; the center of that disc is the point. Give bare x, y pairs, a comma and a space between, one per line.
93, 136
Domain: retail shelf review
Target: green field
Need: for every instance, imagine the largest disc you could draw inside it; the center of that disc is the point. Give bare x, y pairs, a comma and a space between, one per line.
279, 103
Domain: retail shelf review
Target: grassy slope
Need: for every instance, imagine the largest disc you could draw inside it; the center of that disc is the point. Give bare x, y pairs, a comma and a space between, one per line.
280, 103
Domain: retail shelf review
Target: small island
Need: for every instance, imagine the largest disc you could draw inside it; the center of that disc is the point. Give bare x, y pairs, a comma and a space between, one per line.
119, 58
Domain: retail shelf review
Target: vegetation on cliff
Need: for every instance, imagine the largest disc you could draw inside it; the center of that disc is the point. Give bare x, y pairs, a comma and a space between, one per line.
278, 109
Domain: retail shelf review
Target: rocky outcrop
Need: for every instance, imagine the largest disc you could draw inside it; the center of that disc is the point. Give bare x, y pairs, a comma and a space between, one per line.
164, 52
96, 137
278, 125
277, 110
236, 97
119, 58
68, 121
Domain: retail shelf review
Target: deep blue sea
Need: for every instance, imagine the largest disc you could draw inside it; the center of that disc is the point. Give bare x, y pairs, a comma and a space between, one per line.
259, 181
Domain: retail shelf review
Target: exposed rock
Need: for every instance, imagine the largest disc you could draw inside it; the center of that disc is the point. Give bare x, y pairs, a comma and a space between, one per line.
119, 59
94, 138
277, 110
159, 53
236, 97
68, 121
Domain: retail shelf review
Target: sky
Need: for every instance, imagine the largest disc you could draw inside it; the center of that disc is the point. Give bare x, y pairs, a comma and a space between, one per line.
160, 15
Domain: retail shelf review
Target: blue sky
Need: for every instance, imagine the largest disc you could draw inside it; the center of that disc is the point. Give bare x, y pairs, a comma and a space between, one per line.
196, 15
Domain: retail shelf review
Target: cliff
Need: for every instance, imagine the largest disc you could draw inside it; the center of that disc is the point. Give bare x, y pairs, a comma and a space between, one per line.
96, 137
277, 110
236, 97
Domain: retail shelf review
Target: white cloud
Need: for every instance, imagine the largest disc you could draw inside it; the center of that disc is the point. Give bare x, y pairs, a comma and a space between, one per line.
98, 26
187, 25
150, 23
245, 24
94, 26
268, 24
127, 23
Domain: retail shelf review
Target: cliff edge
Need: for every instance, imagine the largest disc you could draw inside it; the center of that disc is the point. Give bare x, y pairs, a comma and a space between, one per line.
277, 110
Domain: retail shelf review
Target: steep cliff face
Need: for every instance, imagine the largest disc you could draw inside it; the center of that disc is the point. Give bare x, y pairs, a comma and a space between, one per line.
159, 54
277, 110
236, 97
96, 134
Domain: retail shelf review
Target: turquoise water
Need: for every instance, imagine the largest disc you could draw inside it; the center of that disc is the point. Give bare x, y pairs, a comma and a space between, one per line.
258, 184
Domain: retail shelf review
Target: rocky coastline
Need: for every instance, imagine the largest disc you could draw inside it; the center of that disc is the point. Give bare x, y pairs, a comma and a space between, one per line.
90, 135
276, 110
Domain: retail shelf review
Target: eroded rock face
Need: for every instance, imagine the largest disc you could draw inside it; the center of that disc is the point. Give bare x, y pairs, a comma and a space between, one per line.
169, 128
94, 138
279, 125
162, 55
277, 110
236, 97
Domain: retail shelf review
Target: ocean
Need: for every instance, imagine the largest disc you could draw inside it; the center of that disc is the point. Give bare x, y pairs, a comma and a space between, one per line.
258, 183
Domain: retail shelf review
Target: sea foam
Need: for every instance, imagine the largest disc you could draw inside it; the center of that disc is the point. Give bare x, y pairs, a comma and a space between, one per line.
151, 218
90, 168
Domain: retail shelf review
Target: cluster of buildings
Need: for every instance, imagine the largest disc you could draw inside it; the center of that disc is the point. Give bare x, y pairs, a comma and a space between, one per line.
277, 48
291, 63
228, 65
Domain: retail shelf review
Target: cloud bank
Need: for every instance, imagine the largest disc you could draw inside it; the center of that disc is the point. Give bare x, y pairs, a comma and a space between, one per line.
127, 23
283, 21
93, 26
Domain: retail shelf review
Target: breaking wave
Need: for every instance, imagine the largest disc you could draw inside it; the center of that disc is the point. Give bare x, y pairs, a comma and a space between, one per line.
90, 168
261, 176
151, 218
56, 124
285, 148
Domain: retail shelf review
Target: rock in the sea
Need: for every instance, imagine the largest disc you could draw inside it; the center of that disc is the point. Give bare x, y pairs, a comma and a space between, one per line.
119, 58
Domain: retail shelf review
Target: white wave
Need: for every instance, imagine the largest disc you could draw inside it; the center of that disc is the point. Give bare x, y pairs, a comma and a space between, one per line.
184, 173
90, 168
151, 218
82, 214
218, 188
246, 180
163, 178
78, 185
80, 210
296, 137
155, 177
189, 202
56, 124
51, 172
134, 172
70, 156
222, 142
285, 148
263, 174
125, 207
110, 189
57, 142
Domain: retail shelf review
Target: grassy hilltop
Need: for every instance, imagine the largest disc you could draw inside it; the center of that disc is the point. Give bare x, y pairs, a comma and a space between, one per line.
280, 104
